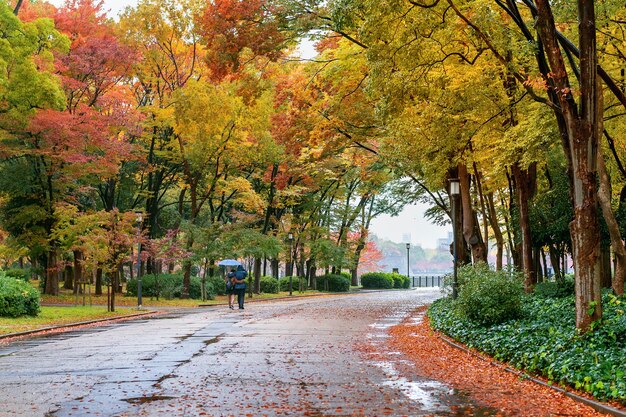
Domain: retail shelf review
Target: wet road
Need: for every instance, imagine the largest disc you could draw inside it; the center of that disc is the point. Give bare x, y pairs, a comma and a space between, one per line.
284, 358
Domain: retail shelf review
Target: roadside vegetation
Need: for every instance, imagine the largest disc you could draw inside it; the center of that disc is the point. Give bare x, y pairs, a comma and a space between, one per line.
536, 332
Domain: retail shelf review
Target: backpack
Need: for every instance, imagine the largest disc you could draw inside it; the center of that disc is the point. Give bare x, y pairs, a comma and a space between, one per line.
239, 275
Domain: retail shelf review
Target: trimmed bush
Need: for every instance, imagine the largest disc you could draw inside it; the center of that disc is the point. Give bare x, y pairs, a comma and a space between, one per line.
377, 280
17, 273
270, 285
18, 298
167, 286
333, 283
217, 283
489, 297
284, 283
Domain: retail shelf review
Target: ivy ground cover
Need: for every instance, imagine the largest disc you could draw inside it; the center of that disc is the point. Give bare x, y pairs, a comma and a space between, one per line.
544, 342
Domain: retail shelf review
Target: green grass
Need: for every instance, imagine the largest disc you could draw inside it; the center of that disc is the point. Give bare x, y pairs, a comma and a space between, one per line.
57, 316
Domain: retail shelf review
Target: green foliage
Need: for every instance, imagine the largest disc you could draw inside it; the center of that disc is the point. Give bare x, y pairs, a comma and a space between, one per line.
555, 289
487, 296
545, 342
216, 284
17, 273
167, 286
270, 285
296, 282
333, 283
378, 280
18, 298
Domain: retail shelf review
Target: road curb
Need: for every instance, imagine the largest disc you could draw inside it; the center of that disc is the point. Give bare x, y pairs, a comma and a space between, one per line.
603, 408
78, 324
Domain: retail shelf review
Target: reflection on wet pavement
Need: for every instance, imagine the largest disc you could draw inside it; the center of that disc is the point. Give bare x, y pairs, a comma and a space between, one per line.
293, 358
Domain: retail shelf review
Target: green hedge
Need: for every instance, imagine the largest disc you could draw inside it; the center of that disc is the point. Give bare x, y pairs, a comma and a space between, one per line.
17, 273
269, 285
377, 280
18, 298
333, 283
216, 285
544, 341
168, 286
556, 289
284, 283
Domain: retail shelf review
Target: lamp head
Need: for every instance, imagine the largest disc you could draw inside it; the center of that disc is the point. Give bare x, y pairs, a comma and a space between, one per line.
455, 188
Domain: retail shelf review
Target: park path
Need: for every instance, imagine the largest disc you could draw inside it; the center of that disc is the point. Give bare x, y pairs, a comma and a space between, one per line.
282, 358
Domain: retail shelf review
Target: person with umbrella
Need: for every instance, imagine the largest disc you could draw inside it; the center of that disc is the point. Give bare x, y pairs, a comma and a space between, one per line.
240, 285
230, 281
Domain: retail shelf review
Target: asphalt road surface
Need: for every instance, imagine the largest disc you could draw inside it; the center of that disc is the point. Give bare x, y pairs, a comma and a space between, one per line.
301, 357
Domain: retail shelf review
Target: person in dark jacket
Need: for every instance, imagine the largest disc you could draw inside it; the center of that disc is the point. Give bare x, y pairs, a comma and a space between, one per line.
240, 285
230, 288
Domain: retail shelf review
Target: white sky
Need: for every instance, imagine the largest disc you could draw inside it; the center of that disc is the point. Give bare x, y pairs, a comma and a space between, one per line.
410, 221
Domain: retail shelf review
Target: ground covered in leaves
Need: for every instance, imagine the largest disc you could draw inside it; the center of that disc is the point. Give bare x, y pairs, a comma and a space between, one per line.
484, 380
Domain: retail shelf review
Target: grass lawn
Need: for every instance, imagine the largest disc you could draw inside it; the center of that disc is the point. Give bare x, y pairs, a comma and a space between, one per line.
55, 316
66, 308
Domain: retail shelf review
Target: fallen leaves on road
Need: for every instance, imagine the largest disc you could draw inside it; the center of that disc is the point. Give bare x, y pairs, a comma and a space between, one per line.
484, 381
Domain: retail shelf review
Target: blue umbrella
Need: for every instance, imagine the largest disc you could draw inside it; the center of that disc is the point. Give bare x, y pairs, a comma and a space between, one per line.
229, 262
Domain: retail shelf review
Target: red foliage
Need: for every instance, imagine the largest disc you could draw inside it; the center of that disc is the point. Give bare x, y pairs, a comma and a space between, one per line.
370, 257
77, 144
229, 26
479, 376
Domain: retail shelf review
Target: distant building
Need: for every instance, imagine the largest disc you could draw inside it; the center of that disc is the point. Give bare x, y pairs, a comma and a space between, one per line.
443, 244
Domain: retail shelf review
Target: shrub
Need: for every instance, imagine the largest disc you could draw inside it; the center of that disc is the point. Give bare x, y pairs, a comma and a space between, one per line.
217, 283
18, 298
545, 341
487, 296
377, 280
269, 285
555, 289
167, 286
333, 283
296, 282
17, 273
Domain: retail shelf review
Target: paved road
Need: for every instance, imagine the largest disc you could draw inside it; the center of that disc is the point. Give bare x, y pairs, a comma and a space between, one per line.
284, 358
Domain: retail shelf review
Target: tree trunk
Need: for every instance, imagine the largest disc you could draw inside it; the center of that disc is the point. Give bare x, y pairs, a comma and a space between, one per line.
98, 290
523, 190
604, 197
68, 278
497, 233
471, 231
257, 276
580, 146
555, 262
52, 273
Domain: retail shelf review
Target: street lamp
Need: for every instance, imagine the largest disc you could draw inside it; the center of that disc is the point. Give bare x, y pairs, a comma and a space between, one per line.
408, 246
455, 191
290, 237
139, 217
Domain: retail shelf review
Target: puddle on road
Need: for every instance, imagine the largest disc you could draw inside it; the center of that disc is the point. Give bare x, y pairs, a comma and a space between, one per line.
434, 397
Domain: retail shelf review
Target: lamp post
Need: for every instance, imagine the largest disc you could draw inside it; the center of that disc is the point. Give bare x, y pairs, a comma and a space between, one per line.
139, 217
455, 190
408, 274
290, 237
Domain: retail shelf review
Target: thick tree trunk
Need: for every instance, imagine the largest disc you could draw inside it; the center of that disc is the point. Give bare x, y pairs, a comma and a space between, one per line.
581, 148
471, 231
98, 290
257, 276
52, 273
